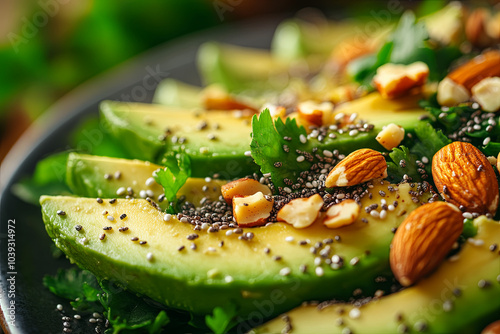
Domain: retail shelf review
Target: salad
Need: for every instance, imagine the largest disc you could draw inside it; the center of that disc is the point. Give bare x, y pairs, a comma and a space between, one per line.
344, 181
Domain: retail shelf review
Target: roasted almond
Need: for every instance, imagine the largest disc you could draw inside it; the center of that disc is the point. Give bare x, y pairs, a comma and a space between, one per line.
456, 87
422, 241
358, 167
464, 177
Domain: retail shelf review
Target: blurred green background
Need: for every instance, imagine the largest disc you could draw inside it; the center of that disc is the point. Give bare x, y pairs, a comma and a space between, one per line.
47, 47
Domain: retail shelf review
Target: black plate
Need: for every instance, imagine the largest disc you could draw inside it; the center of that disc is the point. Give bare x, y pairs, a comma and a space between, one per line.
34, 310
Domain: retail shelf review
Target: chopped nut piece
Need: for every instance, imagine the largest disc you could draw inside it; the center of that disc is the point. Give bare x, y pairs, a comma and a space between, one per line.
450, 93
391, 136
301, 212
243, 187
342, 214
318, 114
487, 93
394, 80
253, 210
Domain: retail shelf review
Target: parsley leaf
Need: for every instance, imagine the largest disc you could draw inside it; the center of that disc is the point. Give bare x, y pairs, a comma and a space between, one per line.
174, 175
222, 319
268, 143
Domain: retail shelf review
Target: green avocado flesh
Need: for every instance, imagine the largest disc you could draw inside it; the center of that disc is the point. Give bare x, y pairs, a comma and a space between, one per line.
174, 93
85, 176
450, 300
140, 128
239, 271
238, 68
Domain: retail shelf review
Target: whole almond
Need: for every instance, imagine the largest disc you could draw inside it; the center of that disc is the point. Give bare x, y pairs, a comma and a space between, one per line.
422, 241
358, 167
483, 66
464, 177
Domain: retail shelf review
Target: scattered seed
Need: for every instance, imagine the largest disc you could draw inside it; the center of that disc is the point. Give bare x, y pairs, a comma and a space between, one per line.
285, 271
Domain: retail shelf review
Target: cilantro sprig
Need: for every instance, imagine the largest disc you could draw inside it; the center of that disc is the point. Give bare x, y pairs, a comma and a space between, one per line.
271, 139
175, 174
222, 319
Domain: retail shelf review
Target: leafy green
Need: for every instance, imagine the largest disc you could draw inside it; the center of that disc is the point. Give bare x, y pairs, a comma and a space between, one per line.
408, 40
78, 285
125, 311
407, 44
454, 123
426, 142
267, 147
174, 175
48, 179
429, 140
403, 162
223, 319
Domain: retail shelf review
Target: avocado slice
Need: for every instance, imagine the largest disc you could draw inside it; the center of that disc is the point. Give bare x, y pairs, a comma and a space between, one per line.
239, 68
297, 39
243, 272
462, 296
142, 128
85, 176
174, 93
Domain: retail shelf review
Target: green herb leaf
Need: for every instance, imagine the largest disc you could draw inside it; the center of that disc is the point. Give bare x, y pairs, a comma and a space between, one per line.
408, 40
49, 178
406, 45
222, 319
80, 286
126, 311
403, 162
429, 140
267, 147
70, 283
174, 175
